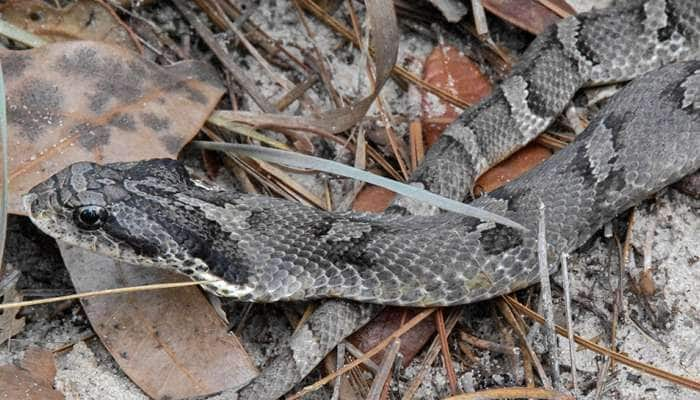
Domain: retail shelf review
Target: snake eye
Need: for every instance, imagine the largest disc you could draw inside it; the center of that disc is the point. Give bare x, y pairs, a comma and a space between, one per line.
90, 217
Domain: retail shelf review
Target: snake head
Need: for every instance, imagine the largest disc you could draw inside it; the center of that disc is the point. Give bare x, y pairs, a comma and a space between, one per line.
105, 209
134, 212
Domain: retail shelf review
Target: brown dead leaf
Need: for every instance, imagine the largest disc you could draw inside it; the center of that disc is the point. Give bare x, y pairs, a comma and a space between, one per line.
517, 164
383, 325
373, 199
690, 185
41, 365
33, 380
74, 101
170, 342
16, 383
82, 20
529, 15
10, 325
449, 69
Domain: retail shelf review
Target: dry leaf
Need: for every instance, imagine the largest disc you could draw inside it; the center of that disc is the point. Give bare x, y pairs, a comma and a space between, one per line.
82, 20
33, 381
40, 364
517, 164
529, 15
373, 199
10, 325
449, 69
384, 324
169, 342
74, 101
690, 185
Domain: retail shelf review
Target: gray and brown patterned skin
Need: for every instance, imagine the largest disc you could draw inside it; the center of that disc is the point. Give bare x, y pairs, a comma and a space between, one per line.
646, 138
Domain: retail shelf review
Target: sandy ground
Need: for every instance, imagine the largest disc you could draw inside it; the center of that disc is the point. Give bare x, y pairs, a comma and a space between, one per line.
663, 333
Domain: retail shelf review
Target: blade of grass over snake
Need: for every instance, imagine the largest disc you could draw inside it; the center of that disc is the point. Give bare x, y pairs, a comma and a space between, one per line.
302, 161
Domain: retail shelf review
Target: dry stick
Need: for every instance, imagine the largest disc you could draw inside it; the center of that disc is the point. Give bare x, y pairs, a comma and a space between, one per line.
376, 349
296, 92
396, 70
415, 130
645, 282
375, 391
445, 349
360, 163
238, 74
162, 36
609, 364
97, 293
430, 356
339, 361
259, 121
320, 61
357, 353
280, 79
622, 265
487, 344
569, 323
601, 379
482, 28
546, 293
518, 325
517, 357
249, 167
554, 8
513, 392
390, 134
253, 32
621, 358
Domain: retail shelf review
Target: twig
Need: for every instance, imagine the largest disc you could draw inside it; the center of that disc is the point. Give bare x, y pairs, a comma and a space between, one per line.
296, 92
569, 323
546, 291
415, 130
513, 392
380, 379
280, 79
396, 70
621, 358
445, 349
482, 28
105, 292
320, 63
518, 325
487, 345
238, 74
339, 361
430, 356
555, 8
376, 349
379, 101
4, 162
357, 353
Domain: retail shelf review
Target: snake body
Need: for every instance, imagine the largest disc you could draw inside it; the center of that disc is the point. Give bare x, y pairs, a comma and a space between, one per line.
262, 249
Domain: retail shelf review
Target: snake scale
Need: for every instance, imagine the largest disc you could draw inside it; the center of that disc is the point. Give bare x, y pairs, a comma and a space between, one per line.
263, 249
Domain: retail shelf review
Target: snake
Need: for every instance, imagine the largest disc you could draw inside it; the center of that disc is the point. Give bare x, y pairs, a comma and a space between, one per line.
262, 249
